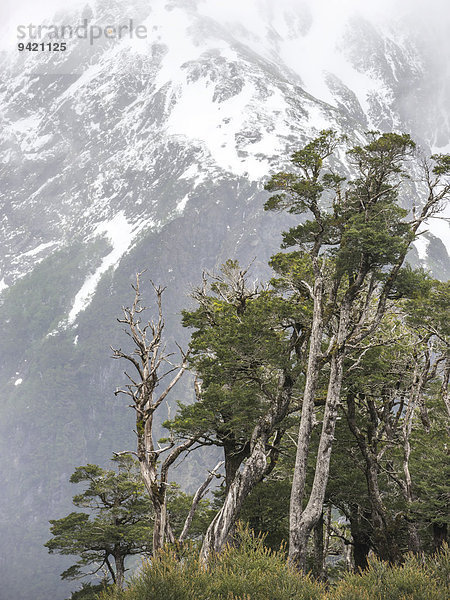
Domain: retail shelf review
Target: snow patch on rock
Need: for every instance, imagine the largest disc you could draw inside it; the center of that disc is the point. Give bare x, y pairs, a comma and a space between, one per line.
215, 124
120, 234
39, 249
182, 204
421, 245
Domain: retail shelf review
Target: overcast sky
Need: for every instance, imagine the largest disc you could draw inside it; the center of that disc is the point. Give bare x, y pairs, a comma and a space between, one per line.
432, 15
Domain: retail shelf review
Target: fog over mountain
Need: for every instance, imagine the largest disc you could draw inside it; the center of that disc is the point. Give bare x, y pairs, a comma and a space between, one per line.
150, 153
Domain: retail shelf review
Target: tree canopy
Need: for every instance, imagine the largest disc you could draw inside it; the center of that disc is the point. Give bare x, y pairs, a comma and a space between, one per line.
117, 524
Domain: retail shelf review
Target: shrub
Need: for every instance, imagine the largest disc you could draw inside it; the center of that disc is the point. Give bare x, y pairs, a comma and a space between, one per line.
255, 572
249, 571
89, 591
410, 581
438, 566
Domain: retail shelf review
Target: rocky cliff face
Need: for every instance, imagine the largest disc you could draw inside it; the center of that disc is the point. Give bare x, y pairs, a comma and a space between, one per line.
149, 153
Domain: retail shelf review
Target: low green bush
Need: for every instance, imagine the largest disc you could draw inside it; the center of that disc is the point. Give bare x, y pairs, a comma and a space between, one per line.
411, 581
250, 571
438, 566
89, 591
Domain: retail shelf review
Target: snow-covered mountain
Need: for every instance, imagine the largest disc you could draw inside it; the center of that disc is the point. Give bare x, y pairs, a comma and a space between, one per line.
92, 139
149, 153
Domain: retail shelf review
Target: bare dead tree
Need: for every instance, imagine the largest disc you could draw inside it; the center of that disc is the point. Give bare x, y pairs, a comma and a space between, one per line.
151, 367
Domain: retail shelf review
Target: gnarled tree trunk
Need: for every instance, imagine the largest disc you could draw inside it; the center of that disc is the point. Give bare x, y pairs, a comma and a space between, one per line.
149, 360
255, 468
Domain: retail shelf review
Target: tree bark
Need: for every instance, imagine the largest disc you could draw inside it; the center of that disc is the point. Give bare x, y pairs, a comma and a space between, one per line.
219, 529
347, 551
119, 560
360, 526
361, 549
319, 555
302, 525
255, 468
233, 460
414, 544
196, 500
306, 423
110, 569
444, 388
148, 360
159, 526
303, 521
440, 535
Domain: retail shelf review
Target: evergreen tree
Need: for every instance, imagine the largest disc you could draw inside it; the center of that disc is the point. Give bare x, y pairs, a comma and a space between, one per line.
429, 317
240, 343
247, 350
351, 250
118, 523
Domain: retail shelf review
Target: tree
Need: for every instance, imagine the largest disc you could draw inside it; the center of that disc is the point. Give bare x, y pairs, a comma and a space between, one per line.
118, 524
246, 350
148, 390
393, 432
430, 473
428, 448
352, 248
226, 405
380, 402
240, 338
89, 591
149, 359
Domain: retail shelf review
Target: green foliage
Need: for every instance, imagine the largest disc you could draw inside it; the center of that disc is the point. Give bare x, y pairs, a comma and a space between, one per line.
239, 346
430, 468
250, 571
430, 312
442, 164
411, 283
438, 565
294, 272
246, 571
88, 591
381, 581
357, 222
166, 577
266, 510
179, 504
385, 152
118, 523
300, 193
376, 235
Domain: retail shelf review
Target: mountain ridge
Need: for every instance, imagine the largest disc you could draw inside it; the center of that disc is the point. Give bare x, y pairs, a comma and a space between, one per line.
150, 154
